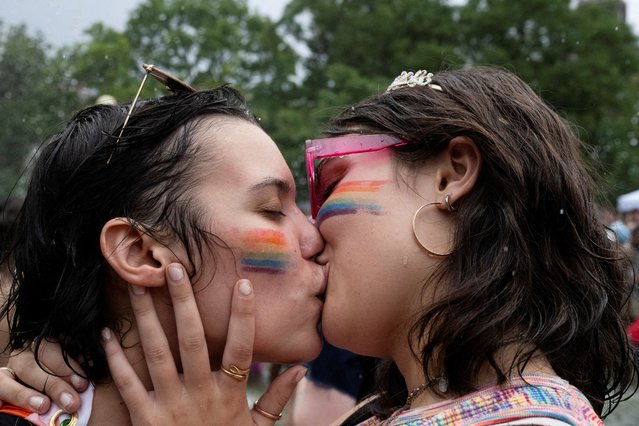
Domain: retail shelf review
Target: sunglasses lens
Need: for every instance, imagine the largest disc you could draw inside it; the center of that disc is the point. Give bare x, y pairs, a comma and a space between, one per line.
317, 149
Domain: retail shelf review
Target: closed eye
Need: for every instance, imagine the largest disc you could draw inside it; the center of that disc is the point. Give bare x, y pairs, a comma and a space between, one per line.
273, 213
272, 209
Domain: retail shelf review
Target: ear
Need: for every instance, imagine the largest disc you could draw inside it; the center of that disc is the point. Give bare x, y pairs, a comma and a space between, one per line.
459, 169
134, 255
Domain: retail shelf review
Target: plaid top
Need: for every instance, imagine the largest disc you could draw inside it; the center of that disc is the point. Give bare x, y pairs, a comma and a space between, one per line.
536, 396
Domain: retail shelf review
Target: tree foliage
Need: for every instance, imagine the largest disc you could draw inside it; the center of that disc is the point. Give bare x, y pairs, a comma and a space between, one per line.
36, 95
583, 61
323, 55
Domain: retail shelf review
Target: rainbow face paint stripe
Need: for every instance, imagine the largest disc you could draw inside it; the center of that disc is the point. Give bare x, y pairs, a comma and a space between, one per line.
265, 251
357, 196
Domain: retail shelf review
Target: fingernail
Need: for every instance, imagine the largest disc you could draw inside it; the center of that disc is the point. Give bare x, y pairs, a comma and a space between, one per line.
66, 400
36, 402
176, 273
300, 375
245, 288
138, 289
106, 334
77, 381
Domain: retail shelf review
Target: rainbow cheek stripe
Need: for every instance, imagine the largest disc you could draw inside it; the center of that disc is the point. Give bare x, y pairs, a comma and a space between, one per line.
352, 197
265, 252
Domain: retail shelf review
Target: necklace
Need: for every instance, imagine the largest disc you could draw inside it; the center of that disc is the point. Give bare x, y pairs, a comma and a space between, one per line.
415, 392
442, 386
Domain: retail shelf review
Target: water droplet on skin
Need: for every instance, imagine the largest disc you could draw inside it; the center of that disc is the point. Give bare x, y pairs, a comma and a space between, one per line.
405, 260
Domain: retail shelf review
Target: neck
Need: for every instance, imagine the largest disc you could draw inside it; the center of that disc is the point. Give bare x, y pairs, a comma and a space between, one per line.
412, 371
108, 407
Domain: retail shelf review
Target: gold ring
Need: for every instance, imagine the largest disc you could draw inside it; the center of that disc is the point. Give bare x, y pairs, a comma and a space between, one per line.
73, 421
10, 370
236, 372
266, 414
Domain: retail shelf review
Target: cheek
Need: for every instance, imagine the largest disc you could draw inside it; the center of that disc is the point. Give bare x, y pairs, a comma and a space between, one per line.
286, 322
375, 274
353, 197
214, 304
364, 307
265, 251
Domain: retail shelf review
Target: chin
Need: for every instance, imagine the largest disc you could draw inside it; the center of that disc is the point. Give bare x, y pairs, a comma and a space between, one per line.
338, 336
291, 353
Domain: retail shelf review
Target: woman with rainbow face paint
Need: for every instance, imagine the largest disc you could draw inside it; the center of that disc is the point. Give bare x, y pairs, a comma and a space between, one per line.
124, 207
462, 246
482, 274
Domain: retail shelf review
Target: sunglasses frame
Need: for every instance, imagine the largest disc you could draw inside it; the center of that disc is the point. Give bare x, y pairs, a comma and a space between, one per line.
317, 149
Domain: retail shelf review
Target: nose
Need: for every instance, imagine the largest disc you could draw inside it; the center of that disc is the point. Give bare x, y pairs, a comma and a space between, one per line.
311, 241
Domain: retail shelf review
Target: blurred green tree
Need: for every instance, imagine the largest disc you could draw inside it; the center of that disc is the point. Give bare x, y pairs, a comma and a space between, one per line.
36, 95
205, 43
326, 54
583, 60
354, 48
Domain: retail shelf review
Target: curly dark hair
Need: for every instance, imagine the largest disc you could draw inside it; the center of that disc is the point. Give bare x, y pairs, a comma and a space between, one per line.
532, 266
86, 175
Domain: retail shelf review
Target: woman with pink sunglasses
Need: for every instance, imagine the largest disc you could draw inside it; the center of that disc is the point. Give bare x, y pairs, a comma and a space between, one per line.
463, 247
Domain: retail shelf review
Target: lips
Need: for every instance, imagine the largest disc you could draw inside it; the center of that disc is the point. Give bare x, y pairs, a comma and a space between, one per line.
321, 292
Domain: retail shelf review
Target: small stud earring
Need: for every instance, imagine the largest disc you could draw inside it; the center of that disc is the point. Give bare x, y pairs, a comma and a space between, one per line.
449, 207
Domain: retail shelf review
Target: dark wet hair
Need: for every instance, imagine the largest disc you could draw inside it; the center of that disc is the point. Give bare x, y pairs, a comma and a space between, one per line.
532, 265
84, 176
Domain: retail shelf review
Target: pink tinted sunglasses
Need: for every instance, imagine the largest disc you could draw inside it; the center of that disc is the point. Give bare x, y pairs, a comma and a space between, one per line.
317, 149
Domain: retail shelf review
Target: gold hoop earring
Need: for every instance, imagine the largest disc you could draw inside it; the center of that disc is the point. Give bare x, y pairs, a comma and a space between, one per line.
427, 250
449, 207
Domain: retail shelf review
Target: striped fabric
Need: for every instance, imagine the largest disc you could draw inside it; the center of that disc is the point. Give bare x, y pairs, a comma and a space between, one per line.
536, 396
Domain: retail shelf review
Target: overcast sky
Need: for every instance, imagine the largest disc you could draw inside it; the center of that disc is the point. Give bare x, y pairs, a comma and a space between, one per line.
63, 21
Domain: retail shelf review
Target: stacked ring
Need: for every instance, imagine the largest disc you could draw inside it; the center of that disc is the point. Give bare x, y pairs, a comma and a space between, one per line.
256, 407
10, 371
236, 372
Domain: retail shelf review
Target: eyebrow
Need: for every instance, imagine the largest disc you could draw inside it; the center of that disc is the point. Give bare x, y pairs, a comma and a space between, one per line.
281, 185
